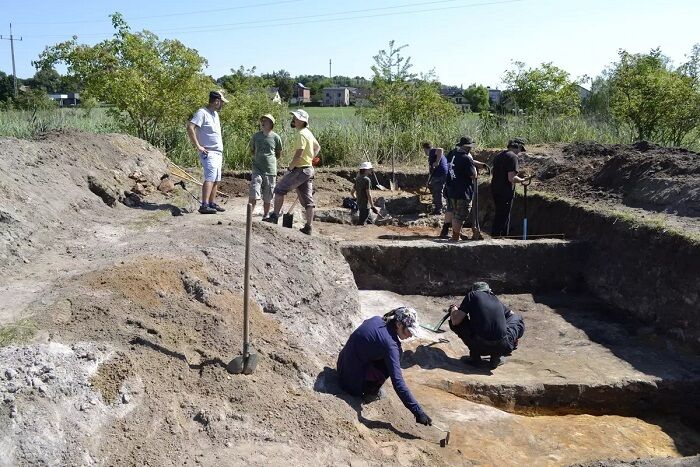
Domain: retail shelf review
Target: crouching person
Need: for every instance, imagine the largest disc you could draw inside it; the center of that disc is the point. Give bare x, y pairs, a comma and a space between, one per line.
373, 354
365, 203
486, 326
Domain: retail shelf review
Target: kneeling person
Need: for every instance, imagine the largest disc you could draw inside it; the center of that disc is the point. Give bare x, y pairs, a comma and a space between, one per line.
373, 354
363, 193
486, 325
266, 148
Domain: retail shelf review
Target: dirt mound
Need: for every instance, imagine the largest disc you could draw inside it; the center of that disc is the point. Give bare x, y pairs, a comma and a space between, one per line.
640, 175
64, 178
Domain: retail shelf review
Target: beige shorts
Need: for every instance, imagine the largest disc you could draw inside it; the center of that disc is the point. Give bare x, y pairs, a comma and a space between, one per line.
262, 186
460, 209
301, 179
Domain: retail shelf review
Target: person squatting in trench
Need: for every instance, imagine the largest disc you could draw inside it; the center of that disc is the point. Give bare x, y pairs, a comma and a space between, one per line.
372, 354
486, 326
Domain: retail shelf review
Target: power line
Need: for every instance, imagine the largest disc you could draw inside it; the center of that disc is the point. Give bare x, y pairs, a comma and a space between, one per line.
167, 15
286, 21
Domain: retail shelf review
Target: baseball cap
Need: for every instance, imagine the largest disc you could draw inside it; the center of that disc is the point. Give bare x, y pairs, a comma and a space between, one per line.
301, 115
517, 142
365, 165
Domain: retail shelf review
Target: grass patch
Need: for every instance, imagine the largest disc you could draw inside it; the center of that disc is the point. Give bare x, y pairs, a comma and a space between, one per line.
18, 332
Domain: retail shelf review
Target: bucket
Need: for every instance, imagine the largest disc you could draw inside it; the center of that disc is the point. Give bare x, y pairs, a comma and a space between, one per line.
288, 220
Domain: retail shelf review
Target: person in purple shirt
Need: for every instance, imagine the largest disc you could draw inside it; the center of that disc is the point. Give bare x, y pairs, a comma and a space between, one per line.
373, 354
437, 167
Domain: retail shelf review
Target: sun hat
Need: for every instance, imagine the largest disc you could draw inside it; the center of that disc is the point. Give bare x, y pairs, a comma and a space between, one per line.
517, 142
269, 117
365, 165
466, 141
218, 95
301, 115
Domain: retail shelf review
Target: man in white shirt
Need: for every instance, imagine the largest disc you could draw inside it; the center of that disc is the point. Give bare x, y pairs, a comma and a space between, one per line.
204, 131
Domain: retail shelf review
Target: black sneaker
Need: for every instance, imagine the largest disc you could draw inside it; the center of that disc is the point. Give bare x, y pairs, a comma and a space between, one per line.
473, 360
272, 218
217, 207
495, 361
306, 229
204, 209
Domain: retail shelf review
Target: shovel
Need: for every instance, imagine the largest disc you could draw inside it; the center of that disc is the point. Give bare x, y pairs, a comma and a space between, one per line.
247, 362
525, 185
444, 441
436, 328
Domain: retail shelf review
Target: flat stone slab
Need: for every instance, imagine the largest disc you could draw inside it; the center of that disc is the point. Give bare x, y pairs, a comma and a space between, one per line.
574, 358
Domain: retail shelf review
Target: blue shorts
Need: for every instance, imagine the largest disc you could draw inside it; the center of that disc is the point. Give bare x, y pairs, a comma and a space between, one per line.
211, 165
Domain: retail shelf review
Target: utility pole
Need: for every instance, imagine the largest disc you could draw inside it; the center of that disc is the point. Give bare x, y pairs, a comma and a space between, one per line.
12, 40
330, 69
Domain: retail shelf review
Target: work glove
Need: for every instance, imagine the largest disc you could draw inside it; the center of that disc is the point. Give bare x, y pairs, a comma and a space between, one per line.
423, 419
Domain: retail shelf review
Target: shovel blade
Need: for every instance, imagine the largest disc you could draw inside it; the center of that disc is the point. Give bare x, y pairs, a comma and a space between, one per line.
288, 220
236, 366
250, 364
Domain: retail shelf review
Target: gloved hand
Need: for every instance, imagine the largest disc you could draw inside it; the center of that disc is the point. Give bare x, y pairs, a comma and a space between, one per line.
423, 419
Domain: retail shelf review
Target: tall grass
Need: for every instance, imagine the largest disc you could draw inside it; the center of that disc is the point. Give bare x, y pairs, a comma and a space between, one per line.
345, 138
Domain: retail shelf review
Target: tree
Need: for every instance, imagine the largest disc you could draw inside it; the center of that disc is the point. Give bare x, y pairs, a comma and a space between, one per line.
477, 97
46, 78
659, 103
391, 65
152, 85
7, 89
244, 80
547, 89
283, 81
598, 102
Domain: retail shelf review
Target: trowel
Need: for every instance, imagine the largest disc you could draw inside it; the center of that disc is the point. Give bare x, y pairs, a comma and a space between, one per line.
248, 361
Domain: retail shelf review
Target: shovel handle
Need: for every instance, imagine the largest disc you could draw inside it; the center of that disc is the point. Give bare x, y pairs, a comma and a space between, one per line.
246, 279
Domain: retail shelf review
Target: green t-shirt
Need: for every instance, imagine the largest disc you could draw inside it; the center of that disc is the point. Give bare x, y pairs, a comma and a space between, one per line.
264, 147
362, 184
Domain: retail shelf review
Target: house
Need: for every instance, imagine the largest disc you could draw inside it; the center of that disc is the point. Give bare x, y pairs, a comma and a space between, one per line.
455, 95
336, 97
359, 96
495, 96
274, 94
582, 92
70, 99
301, 94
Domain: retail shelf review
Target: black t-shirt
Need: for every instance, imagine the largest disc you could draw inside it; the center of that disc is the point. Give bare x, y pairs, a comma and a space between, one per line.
487, 315
461, 185
506, 161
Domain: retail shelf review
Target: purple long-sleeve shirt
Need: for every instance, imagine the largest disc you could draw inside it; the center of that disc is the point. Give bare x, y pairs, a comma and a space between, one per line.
372, 341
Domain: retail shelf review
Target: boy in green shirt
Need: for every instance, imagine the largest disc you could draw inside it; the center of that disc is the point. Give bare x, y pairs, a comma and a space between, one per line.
266, 148
364, 195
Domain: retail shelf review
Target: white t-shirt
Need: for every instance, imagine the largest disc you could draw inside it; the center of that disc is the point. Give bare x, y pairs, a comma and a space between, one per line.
208, 129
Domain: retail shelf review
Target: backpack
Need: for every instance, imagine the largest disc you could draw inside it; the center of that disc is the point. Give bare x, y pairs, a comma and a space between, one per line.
350, 203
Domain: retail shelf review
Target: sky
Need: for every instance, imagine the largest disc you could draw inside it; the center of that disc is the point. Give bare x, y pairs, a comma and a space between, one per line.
463, 41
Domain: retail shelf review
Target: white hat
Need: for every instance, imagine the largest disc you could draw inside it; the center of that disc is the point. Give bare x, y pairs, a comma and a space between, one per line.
301, 115
365, 165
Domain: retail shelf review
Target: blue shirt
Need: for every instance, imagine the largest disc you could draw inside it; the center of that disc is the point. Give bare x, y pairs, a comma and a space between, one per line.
461, 185
370, 342
440, 170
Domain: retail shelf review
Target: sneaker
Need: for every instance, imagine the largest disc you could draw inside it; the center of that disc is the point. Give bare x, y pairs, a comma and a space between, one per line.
473, 360
445, 232
306, 229
217, 207
369, 398
272, 218
204, 209
495, 361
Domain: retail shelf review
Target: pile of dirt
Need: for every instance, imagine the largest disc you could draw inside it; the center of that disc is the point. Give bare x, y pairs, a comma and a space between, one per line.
640, 175
65, 177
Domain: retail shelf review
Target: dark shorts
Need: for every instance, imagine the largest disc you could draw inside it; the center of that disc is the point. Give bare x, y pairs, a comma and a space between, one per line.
459, 208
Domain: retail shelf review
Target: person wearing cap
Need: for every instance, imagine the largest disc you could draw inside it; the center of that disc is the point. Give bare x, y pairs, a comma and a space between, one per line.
372, 354
365, 203
486, 326
204, 131
301, 171
460, 188
266, 148
437, 169
504, 176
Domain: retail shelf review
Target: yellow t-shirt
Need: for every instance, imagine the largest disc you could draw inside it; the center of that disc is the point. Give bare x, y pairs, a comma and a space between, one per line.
305, 141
